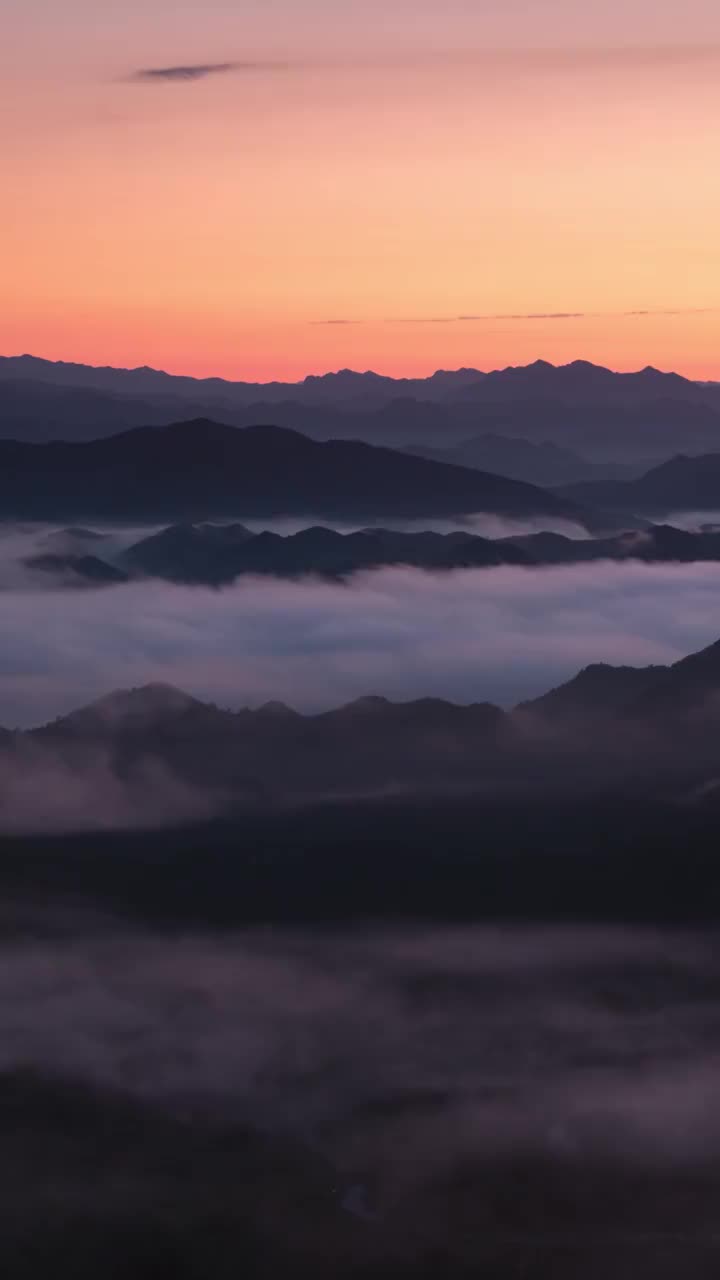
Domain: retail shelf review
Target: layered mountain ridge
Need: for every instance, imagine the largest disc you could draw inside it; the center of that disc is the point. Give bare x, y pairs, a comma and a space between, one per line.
605, 417
199, 469
607, 728
218, 555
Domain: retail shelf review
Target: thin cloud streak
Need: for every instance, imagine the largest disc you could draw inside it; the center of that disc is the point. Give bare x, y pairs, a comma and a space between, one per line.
482, 317
533, 315
568, 58
201, 71
679, 311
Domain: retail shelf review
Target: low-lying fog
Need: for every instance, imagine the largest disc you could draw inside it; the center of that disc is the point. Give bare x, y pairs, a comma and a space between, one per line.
404, 1059
500, 634
560, 1037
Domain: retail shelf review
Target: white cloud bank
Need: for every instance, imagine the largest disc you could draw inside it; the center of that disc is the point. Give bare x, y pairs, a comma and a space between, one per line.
500, 634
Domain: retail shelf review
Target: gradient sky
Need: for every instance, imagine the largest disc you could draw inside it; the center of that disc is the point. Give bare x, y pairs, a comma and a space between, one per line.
447, 183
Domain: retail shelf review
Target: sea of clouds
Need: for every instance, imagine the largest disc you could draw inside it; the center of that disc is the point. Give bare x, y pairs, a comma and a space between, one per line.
500, 634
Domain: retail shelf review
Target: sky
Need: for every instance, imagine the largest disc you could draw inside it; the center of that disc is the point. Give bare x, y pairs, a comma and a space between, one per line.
399, 185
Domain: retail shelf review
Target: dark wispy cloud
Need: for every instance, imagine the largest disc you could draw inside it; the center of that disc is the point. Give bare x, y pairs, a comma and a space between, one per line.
552, 315
425, 320
531, 315
200, 71
675, 311
335, 322
567, 58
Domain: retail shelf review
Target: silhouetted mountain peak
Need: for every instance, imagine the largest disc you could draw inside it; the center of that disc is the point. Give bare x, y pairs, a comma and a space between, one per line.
85, 568
369, 704
201, 427
137, 708
186, 534
705, 661
598, 690
639, 693
235, 532
156, 696
202, 433
317, 535
344, 380
278, 709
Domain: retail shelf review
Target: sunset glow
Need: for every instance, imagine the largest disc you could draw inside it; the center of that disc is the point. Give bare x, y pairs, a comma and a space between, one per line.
323, 188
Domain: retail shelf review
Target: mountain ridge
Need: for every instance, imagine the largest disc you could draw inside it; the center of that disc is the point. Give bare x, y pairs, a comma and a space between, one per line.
640, 426
681, 483
198, 469
218, 555
620, 731
123, 707
538, 373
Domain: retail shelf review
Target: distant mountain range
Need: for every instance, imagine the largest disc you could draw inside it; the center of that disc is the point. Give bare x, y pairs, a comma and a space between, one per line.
215, 555
541, 462
574, 383
199, 469
329, 388
680, 484
608, 727
604, 416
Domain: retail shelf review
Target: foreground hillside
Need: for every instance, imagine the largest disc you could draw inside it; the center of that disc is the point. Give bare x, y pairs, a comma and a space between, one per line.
155, 756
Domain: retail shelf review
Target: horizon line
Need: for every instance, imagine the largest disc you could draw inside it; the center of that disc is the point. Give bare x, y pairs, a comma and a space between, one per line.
335, 372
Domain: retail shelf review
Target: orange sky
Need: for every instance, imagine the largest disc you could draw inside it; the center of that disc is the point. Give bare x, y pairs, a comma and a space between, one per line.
395, 166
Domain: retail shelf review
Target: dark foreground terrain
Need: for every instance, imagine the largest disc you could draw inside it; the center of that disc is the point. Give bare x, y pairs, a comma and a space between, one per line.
466, 1024
380, 1039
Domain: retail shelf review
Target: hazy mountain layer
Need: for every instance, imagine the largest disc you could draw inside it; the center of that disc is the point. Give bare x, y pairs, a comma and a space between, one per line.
630, 418
540, 462
681, 484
